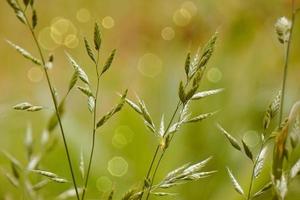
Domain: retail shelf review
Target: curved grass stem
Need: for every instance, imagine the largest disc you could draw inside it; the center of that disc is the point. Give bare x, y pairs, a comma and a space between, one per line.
50, 86
94, 131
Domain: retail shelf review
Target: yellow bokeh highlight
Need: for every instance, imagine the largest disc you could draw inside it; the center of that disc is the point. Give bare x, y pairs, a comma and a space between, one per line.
71, 41
190, 6
122, 137
168, 33
117, 166
150, 65
214, 75
182, 17
35, 74
83, 15
108, 22
46, 40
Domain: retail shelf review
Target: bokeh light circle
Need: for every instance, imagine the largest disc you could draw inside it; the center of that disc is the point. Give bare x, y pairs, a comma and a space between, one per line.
117, 166
168, 33
214, 75
108, 22
35, 74
46, 40
83, 15
182, 17
150, 65
190, 6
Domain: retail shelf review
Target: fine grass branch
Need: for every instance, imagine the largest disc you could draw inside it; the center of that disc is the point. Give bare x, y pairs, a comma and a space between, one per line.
187, 92
93, 96
21, 14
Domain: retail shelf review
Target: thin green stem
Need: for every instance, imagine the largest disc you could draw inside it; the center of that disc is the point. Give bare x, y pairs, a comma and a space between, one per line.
286, 64
94, 131
164, 151
156, 153
54, 103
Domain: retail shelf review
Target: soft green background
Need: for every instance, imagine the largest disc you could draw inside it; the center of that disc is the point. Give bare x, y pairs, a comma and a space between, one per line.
247, 62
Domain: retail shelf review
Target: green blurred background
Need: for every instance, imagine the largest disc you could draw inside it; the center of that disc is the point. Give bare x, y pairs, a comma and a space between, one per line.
152, 39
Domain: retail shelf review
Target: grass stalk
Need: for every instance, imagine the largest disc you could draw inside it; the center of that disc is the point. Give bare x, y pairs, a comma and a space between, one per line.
286, 63
54, 103
94, 130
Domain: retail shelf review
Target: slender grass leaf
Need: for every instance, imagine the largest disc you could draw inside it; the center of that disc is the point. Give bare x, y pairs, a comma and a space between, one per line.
235, 183
13, 160
73, 80
200, 117
69, 193
34, 19
91, 103
113, 111
25, 53
85, 90
207, 51
18, 11
15, 182
81, 74
187, 65
109, 61
134, 106
53, 119
34, 108
204, 94
162, 127
260, 162
264, 189
40, 185
295, 170
163, 194
89, 50
52, 176
247, 150
22, 106
26, 2
81, 165
181, 93
231, 139
97, 37
271, 111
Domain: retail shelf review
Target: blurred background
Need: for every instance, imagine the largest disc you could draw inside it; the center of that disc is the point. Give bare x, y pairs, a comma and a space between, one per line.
152, 39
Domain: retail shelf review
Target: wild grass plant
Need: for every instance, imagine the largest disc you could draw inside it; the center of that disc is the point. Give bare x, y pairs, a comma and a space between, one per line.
278, 132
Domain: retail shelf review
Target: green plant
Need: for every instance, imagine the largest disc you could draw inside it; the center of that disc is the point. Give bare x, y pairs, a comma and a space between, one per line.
93, 96
187, 92
21, 14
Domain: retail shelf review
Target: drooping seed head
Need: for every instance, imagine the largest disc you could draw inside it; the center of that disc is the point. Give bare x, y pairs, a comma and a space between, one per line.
283, 28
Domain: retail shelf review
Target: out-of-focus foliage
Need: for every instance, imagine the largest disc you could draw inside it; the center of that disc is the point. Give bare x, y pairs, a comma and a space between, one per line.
152, 39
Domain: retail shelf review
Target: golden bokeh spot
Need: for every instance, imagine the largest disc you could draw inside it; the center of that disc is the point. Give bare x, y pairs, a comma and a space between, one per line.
150, 65
46, 40
190, 6
168, 33
119, 141
71, 41
35, 74
104, 184
108, 22
63, 32
214, 75
83, 15
117, 166
123, 136
182, 17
